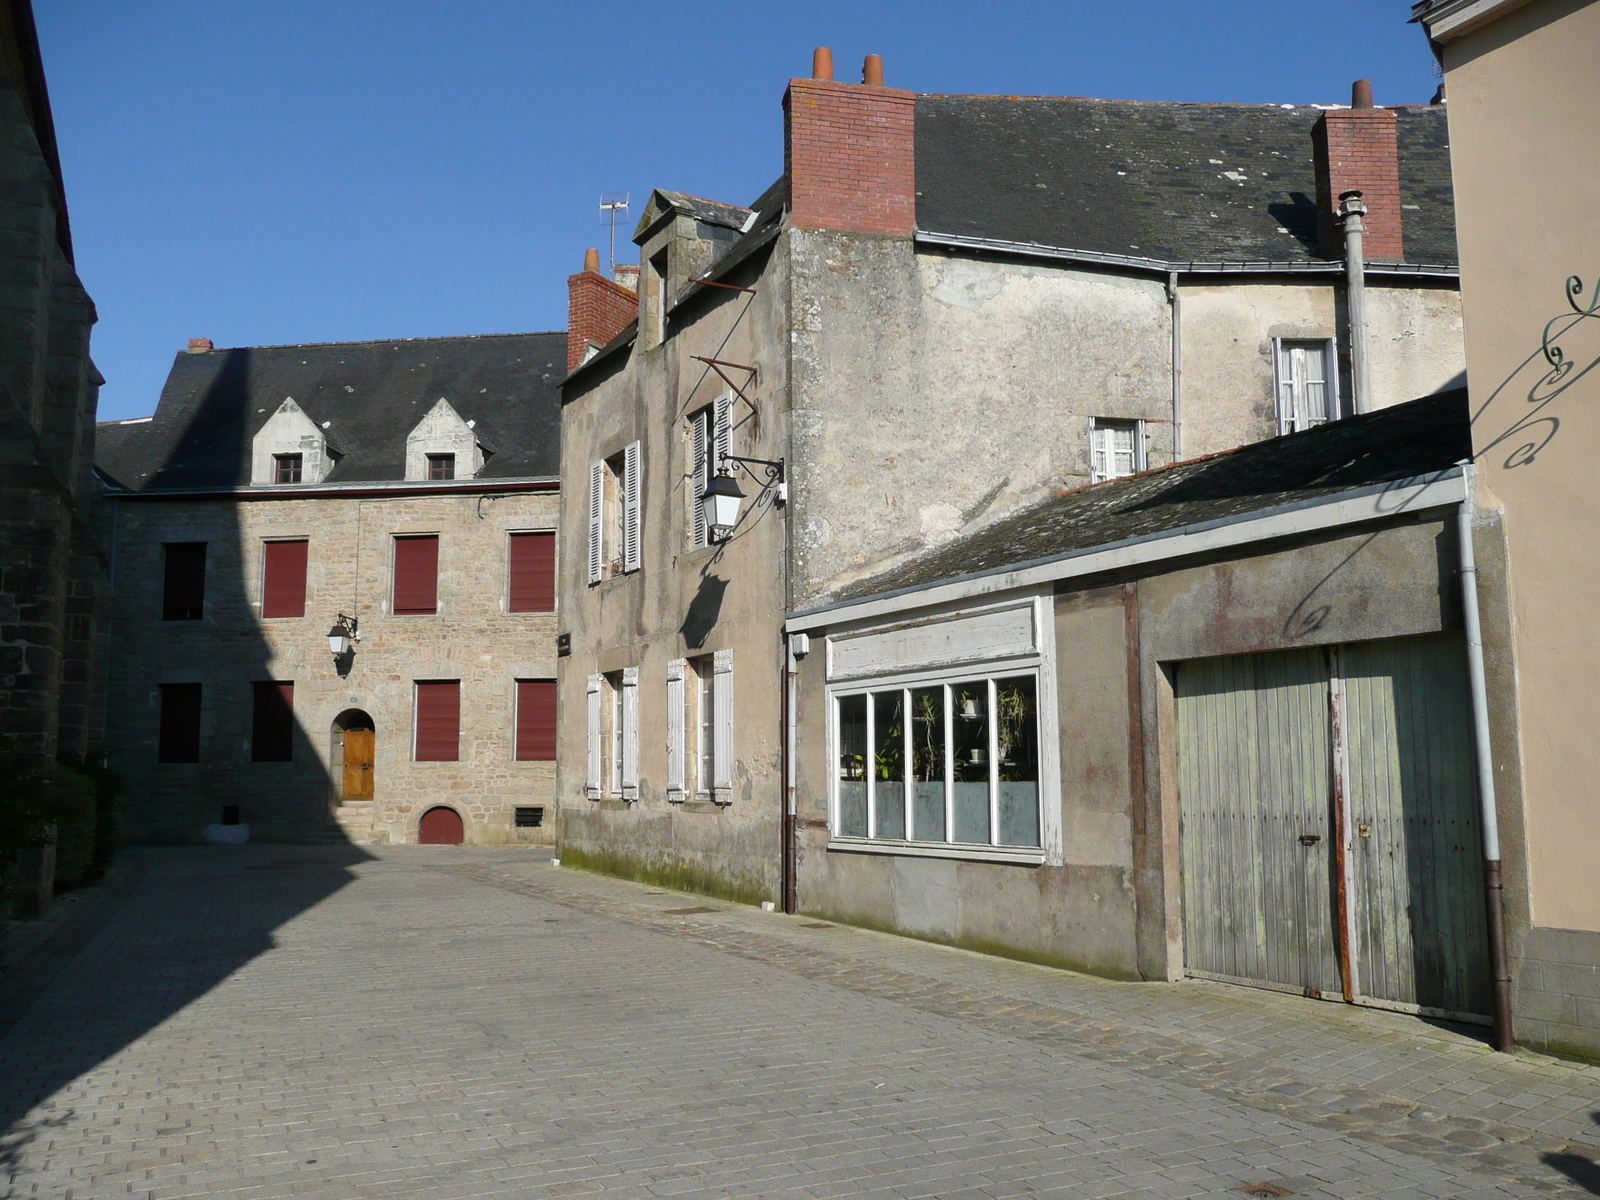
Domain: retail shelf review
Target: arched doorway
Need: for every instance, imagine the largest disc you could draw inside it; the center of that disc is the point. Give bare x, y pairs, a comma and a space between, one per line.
440, 827
355, 747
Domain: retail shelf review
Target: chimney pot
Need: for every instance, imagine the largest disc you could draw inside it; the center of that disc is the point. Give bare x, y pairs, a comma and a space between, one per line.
872, 71
198, 345
822, 63
1361, 94
591, 260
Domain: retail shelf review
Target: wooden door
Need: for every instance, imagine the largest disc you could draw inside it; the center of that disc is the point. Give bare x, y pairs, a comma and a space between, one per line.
440, 827
358, 751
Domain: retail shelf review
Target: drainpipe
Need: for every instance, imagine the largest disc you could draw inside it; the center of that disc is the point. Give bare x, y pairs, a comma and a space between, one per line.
1489, 819
1176, 302
790, 864
1351, 211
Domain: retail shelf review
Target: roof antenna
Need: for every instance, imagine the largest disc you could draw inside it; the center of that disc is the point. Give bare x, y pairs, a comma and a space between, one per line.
610, 204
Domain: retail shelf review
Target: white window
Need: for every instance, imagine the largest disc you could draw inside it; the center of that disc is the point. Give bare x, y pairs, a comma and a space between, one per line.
943, 762
614, 734
700, 728
1307, 395
1116, 448
676, 712
614, 512
710, 437
594, 774
628, 750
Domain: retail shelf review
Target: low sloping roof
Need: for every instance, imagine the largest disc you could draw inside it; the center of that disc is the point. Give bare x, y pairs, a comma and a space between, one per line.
1175, 182
1408, 440
369, 394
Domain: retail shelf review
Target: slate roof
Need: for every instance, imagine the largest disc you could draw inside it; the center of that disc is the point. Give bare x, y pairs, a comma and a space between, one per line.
1402, 442
1176, 182
371, 394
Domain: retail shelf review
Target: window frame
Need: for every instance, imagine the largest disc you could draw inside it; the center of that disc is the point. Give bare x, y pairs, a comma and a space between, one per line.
305, 583
394, 572
511, 536
440, 461
1040, 667
288, 463
1107, 424
1330, 349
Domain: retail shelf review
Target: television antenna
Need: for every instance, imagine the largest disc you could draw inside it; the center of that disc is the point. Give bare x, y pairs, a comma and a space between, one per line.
612, 203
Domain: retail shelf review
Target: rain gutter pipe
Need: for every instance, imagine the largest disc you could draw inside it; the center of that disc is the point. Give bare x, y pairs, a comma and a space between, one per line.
1176, 301
1352, 208
1494, 886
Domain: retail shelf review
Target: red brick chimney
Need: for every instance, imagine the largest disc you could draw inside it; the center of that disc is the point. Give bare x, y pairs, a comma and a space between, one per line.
1356, 150
200, 345
848, 151
597, 309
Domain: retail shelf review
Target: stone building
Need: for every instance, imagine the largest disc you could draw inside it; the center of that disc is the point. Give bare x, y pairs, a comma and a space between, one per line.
405, 491
949, 308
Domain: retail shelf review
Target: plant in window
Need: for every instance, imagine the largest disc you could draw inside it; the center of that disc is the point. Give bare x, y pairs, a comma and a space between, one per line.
928, 746
889, 758
1011, 704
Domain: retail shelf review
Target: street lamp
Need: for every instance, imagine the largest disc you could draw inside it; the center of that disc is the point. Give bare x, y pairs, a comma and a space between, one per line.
342, 637
719, 503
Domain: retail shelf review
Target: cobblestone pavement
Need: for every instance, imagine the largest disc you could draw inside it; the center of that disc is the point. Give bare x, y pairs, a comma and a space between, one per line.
448, 1022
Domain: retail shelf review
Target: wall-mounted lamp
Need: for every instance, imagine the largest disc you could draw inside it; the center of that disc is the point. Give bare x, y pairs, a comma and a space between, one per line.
343, 636
720, 502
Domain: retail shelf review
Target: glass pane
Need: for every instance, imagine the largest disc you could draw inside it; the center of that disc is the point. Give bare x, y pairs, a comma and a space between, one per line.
1316, 403
853, 766
1017, 739
889, 763
971, 735
927, 764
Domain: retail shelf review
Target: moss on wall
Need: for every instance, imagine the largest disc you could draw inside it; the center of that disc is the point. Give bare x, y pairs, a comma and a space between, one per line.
680, 877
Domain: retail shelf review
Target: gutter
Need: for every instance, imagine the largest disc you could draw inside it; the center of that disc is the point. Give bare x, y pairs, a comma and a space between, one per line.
1358, 506
316, 491
1157, 266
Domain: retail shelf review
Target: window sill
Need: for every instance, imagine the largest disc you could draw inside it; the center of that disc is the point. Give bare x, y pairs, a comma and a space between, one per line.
1023, 856
702, 806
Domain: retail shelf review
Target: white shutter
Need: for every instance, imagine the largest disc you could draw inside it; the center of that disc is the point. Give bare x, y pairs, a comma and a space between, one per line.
722, 703
675, 730
724, 430
630, 733
630, 512
702, 476
597, 507
592, 775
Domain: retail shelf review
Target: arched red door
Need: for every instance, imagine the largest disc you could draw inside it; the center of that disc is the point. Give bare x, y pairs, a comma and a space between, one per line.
440, 827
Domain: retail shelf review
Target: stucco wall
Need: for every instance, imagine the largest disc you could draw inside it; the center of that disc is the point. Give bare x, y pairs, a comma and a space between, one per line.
472, 638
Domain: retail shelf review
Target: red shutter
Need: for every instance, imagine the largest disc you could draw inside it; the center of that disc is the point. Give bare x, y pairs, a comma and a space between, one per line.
184, 592
272, 727
536, 720
533, 572
180, 723
439, 721
416, 576
283, 582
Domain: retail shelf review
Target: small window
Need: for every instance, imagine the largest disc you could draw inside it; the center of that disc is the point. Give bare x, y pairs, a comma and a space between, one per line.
614, 515
659, 283
710, 437
529, 818
286, 468
283, 579
272, 722
179, 740
183, 595
1307, 396
441, 466
416, 575
1116, 449
702, 724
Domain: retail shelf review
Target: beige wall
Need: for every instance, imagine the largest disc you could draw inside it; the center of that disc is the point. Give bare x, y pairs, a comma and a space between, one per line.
1524, 99
472, 638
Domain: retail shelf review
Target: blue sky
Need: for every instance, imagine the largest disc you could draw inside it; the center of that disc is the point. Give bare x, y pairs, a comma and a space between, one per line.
348, 169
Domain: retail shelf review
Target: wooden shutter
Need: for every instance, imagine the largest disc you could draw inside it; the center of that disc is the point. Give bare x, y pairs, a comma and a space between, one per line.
533, 572
722, 709
630, 733
592, 757
698, 435
631, 553
283, 579
272, 722
180, 723
183, 595
536, 720
597, 512
416, 575
439, 721
724, 430
675, 730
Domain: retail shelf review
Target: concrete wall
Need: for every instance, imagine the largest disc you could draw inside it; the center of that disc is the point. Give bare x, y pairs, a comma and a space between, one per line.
1524, 124
471, 638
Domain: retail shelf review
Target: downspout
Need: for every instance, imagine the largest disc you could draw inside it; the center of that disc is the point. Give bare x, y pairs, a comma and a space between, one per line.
1489, 818
1351, 211
1176, 301
790, 689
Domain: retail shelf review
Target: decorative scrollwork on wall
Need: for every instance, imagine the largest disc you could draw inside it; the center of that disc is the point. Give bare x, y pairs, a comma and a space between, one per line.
1574, 294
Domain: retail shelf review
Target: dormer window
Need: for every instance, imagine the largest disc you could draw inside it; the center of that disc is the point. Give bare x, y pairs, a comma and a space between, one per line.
287, 468
444, 445
441, 466
290, 448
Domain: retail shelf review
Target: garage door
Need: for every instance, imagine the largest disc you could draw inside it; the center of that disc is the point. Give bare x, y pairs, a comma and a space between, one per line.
1330, 792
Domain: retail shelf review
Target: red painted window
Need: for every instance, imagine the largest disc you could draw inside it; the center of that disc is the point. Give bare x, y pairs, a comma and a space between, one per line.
536, 720
416, 575
533, 572
283, 580
180, 723
272, 726
183, 594
438, 720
